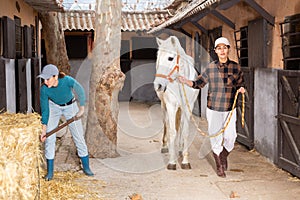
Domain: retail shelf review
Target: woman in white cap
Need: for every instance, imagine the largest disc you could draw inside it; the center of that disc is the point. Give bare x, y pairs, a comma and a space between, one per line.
57, 99
225, 78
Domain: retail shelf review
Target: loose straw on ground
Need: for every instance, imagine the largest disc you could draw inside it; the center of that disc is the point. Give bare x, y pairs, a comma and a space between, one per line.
72, 185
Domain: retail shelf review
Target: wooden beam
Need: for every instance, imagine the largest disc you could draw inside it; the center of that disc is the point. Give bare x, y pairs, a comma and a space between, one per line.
167, 31
183, 22
201, 28
184, 32
200, 15
195, 18
261, 11
224, 19
224, 5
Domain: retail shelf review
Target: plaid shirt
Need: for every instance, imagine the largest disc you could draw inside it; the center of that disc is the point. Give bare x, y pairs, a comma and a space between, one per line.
224, 80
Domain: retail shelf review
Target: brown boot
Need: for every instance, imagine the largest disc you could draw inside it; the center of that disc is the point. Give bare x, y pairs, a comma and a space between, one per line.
223, 156
220, 170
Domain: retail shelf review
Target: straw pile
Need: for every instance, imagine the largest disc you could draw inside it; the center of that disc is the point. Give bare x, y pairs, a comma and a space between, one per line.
20, 156
71, 185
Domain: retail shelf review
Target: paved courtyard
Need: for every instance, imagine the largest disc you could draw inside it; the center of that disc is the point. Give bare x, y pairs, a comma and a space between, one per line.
141, 168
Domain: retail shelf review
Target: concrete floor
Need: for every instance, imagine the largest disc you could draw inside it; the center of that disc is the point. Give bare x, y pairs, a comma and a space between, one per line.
141, 168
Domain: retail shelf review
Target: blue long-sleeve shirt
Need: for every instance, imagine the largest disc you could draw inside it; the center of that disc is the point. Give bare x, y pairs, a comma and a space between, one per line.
60, 94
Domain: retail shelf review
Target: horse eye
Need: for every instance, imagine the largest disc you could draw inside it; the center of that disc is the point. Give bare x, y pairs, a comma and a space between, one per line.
170, 58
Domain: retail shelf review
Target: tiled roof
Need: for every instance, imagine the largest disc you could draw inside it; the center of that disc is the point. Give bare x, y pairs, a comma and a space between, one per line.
192, 8
142, 21
77, 20
131, 21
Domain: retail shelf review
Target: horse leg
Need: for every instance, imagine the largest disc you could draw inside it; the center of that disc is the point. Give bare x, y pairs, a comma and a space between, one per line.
185, 164
171, 111
164, 148
178, 122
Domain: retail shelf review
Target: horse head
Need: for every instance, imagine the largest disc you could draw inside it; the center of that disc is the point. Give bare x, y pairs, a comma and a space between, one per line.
171, 61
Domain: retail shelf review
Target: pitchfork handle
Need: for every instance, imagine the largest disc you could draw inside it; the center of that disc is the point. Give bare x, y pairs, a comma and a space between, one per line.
62, 126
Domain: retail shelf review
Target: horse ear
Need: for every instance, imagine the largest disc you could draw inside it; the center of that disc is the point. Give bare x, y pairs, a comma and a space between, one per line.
173, 40
159, 41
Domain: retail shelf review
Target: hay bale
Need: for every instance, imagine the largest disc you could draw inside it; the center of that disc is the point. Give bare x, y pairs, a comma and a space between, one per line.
20, 155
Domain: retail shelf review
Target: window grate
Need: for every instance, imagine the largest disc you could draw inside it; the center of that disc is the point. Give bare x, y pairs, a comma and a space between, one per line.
290, 36
33, 47
18, 37
241, 42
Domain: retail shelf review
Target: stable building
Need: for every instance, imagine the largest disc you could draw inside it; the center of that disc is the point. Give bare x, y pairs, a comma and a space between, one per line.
265, 40
20, 34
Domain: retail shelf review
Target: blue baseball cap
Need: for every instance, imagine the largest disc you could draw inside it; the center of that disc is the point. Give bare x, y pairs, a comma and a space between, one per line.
48, 71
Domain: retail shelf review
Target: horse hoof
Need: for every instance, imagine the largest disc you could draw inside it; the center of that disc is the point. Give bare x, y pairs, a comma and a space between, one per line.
164, 150
171, 167
186, 166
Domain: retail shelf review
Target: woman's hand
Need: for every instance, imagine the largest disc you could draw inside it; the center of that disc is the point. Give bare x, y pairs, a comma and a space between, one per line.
80, 112
43, 135
183, 80
242, 90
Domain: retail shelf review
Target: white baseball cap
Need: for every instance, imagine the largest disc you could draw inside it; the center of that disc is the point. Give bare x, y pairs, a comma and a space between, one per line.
222, 40
48, 71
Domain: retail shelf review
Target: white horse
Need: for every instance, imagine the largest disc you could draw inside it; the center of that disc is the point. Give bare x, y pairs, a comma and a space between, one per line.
172, 61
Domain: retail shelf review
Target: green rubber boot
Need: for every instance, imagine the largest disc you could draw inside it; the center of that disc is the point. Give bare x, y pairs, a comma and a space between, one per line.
50, 164
86, 166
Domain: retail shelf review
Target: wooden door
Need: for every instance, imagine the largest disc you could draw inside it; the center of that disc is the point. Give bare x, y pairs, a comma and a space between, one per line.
21, 86
289, 121
35, 84
245, 134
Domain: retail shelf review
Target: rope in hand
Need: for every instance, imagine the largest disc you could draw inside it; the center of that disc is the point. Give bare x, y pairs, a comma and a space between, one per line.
227, 120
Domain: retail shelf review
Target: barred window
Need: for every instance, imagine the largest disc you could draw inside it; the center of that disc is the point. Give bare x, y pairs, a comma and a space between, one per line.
290, 34
241, 40
18, 37
33, 37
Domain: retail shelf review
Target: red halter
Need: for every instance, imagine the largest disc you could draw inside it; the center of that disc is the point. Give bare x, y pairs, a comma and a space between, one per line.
176, 67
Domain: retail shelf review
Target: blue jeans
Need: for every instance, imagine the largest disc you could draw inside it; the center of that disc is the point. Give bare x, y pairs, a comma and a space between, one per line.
75, 127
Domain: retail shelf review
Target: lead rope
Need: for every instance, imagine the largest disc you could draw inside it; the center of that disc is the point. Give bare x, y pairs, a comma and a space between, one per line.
227, 120
243, 110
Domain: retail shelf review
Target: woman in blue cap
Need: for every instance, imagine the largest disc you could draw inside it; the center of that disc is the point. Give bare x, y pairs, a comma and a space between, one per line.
57, 99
